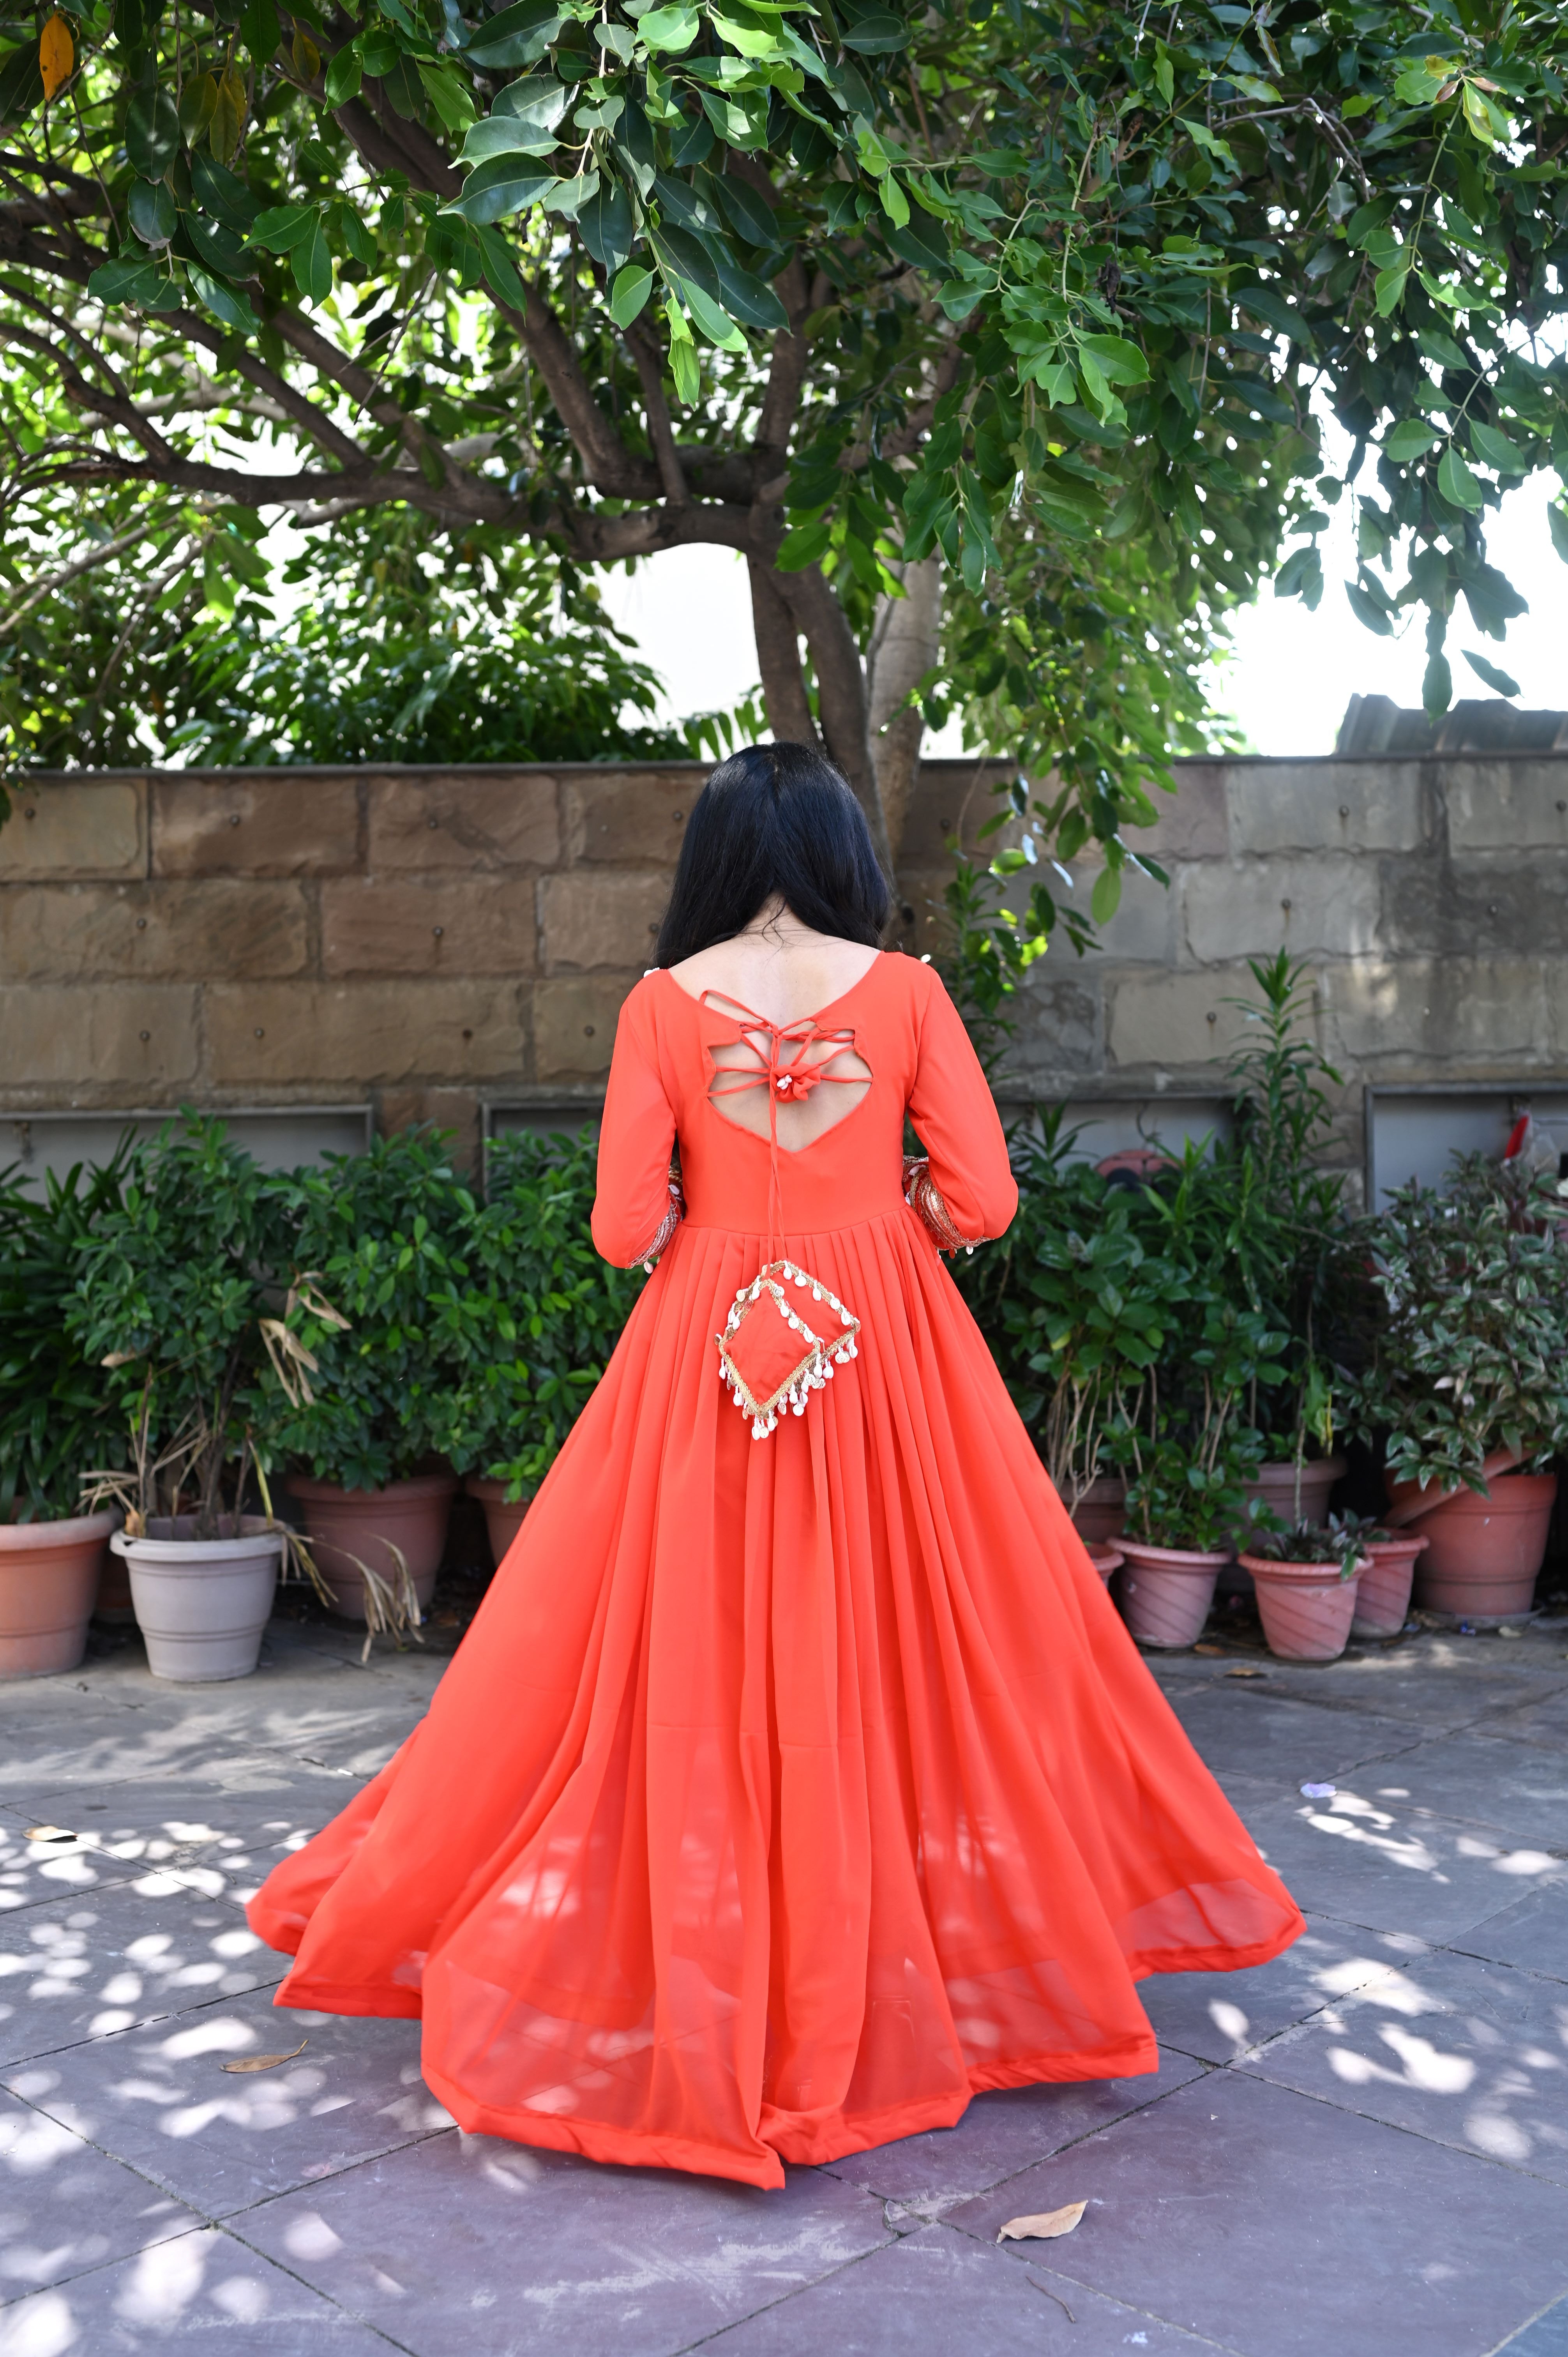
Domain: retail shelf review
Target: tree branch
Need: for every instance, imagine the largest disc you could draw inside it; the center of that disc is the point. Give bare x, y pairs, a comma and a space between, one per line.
778, 657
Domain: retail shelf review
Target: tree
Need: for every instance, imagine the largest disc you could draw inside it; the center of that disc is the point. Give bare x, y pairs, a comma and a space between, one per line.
1039, 305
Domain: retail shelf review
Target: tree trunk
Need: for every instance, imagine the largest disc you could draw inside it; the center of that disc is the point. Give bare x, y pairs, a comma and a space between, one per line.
810, 610
905, 645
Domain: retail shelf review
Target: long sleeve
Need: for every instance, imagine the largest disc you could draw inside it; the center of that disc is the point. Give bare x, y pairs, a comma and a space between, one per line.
635, 1209
951, 1107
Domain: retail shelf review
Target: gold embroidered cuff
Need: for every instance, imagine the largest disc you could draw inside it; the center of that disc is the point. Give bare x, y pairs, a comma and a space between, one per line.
665, 1230
925, 1200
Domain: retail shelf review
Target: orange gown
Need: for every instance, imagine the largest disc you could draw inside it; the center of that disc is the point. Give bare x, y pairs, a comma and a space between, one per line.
785, 1791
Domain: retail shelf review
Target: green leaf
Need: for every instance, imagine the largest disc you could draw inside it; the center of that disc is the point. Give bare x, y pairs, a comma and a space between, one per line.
502, 275
133, 282
1201, 136
150, 206
1367, 611
1457, 483
606, 223
715, 322
1301, 575
223, 301
517, 37
282, 226
1106, 897
671, 30
1119, 358
152, 133
21, 83
344, 76
1556, 524
1389, 286
443, 87
311, 261
198, 105
1491, 674
875, 33
1164, 77
1488, 123
501, 187
1496, 450
630, 294
1436, 685
1411, 438
259, 30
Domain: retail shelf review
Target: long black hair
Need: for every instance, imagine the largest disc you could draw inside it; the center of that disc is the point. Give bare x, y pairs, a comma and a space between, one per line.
773, 819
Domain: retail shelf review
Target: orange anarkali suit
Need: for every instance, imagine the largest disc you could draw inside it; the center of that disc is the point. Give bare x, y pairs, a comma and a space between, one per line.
785, 1791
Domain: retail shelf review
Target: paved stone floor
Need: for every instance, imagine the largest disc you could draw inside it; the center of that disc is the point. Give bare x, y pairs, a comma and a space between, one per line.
1358, 2151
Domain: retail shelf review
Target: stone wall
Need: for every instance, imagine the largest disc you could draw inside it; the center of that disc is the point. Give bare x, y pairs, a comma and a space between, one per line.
438, 941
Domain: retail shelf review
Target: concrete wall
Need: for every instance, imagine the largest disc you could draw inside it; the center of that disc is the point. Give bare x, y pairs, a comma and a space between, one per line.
435, 943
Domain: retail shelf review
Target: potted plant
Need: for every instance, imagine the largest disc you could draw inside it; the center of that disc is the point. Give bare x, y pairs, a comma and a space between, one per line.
1388, 1567
1183, 1502
168, 1301
1307, 1579
1286, 1232
55, 1423
1467, 1379
375, 1317
529, 1334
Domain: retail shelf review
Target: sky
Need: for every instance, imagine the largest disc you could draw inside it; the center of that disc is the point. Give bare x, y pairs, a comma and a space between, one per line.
1287, 683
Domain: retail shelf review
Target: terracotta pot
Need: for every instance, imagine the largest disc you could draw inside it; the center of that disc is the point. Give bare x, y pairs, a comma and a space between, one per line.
1166, 1593
1382, 1592
1275, 1485
48, 1580
342, 1524
1485, 1553
1307, 1609
202, 1604
1101, 1512
1106, 1559
503, 1519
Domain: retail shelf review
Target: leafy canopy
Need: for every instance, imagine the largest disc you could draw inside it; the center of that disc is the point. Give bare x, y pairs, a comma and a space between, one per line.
1056, 296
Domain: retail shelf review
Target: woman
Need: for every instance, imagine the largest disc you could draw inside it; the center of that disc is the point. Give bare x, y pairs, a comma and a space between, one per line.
796, 1779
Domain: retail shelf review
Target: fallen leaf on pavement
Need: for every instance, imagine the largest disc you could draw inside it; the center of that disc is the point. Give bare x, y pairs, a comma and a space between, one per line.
1046, 2227
51, 1832
1245, 1670
265, 2061
1218, 1651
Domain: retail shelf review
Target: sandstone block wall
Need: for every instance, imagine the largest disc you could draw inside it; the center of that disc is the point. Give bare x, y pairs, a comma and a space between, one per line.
442, 943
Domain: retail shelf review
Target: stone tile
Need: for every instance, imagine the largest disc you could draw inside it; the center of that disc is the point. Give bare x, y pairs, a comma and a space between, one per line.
467, 820
1002, 2133
948, 798
1285, 2227
1544, 1722
202, 2289
574, 1025
36, 1873
1317, 906
93, 1963
1302, 806
363, 1033
1400, 1684
256, 823
1241, 1725
1219, 2016
600, 920
947, 2296
1532, 1935
1484, 1780
1377, 1011
477, 924
164, 931
53, 1035
65, 2207
1163, 1019
615, 2262
1545, 2335
626, 817
1377, 1864
159, 2099
1462, 2051
75, 826
1512, 805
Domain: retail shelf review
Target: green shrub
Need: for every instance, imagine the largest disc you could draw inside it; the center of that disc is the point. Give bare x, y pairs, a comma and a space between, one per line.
57, 1417
170, 1290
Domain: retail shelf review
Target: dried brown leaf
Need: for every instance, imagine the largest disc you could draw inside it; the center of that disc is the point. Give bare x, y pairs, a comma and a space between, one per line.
1219, 1652
265, 2061
1045, 2228
51, 1832
57, 54
1246, 1670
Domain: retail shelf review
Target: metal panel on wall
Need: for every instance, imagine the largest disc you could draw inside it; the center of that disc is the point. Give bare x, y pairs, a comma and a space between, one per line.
1413, 1132
281, 1137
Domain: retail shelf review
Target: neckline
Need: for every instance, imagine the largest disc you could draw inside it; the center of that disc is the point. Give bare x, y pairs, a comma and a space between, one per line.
816, 1017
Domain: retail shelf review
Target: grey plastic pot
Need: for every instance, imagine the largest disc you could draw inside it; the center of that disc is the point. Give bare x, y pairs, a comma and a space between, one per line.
202, 1604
